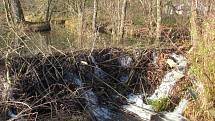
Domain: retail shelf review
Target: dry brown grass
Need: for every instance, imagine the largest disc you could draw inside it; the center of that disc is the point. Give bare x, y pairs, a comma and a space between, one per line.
203, 68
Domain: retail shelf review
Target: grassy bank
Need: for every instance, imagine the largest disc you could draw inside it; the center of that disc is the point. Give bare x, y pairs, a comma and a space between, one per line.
202, 67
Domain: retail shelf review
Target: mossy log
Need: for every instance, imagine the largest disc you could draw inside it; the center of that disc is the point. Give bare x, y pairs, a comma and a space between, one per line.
35, 26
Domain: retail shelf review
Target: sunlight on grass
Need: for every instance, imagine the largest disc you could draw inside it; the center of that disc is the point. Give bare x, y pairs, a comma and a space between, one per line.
202, 66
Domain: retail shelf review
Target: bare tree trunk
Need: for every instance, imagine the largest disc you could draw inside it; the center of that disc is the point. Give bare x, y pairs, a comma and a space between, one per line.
193, 24
151, 18
94, 22
207, 31
95, 7
209, 6
17, 11
81, 7
7, 12
48, 16
114, 21
122, 20
158, 28
118, 18
144, 4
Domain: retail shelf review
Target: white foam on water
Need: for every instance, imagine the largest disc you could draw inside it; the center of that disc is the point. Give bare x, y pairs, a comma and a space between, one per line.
141, 112
11, 114
145, 111
78, 82
181, 61
171, 78
72, 78
97, 71
123, 78
138, 107
181, 106
99, 112
171, 116
125, 61
167, 84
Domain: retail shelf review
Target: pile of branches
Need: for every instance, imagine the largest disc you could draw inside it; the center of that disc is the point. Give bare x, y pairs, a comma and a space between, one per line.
50, 86
174, 33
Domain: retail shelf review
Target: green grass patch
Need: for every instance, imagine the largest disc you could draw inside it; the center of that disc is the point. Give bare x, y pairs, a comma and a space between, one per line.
160, 104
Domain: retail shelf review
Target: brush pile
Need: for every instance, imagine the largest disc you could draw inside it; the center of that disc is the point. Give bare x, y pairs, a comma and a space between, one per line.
82, 85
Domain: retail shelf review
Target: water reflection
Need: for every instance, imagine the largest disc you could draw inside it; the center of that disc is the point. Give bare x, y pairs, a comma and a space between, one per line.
31, 43
59, 39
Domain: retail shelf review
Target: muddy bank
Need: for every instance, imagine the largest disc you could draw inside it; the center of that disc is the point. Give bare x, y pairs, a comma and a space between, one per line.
97, 85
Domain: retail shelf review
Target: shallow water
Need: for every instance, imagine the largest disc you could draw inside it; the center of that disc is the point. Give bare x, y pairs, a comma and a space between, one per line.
32, 43
59, 39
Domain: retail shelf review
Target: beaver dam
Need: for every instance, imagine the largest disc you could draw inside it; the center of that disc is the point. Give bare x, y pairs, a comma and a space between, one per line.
101, 85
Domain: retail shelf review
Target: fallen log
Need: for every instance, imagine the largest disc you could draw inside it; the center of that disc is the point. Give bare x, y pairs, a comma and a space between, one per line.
27, 26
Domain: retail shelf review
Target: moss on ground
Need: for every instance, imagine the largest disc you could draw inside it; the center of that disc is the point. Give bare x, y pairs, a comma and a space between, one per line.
160, 104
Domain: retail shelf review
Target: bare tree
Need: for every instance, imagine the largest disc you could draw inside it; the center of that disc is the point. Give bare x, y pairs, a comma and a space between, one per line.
94, 22
17, 11
150, 14
7, 11
193, 24
81, 7
158, 27
18, 17
114, 21
48, 12
122, 20
118, 19
209, 6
